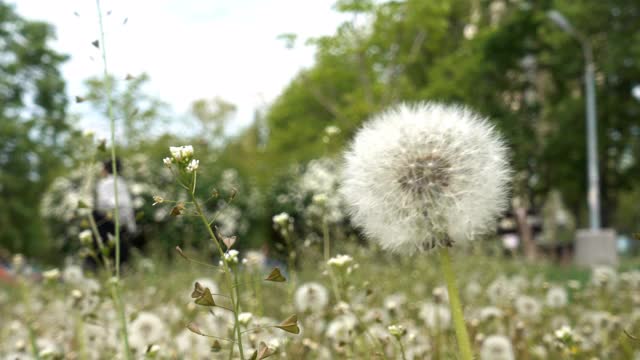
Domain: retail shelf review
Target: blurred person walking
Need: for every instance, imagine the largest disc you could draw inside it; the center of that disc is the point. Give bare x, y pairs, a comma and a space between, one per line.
104, 211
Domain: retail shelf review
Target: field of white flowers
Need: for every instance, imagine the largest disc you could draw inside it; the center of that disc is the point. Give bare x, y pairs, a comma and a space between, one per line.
364, 306
421, 289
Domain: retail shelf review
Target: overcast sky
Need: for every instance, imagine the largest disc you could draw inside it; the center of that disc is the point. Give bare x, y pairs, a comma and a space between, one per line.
190, 48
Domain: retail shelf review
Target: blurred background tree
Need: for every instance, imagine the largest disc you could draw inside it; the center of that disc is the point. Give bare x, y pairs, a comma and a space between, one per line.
505, 59
35, 130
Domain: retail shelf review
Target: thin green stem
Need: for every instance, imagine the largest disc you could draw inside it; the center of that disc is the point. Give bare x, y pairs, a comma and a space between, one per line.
327, 239
114, 170
112, 127
236, 315
225, 267
117, 299
404, 355
464, 345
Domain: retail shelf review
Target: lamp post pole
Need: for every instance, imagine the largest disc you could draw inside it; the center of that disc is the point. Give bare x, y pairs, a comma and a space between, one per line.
593, 177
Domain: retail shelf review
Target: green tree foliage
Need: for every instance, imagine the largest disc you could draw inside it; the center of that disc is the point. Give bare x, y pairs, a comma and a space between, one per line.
137, 112
504, 58
33, 126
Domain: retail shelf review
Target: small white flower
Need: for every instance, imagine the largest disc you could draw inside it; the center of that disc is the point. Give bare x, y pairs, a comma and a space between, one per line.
420, 176
186, 151
86, 237
167, 161
53, 274
175, 152
231, 256
397, 331
281, 219
564, 333
245, 317
332, 130
193, 165
340, 261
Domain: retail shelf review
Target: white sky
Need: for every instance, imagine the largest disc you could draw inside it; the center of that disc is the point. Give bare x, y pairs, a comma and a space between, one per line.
190, 48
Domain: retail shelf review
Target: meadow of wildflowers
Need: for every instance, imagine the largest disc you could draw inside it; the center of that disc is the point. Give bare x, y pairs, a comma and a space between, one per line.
386, 251
332, 297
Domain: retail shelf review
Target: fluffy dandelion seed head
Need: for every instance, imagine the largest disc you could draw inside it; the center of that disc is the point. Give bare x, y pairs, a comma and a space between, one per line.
497, 347
420, 176
312, 297
145, 330
557, 297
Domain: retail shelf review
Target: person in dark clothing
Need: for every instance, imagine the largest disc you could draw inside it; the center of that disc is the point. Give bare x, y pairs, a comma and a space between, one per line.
104, 212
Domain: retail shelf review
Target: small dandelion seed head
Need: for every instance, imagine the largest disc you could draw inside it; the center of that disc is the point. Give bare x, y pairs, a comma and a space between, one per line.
497, 347
426, 175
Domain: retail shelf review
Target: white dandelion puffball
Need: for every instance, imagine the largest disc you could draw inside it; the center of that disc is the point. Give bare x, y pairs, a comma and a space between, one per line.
145, 330
497, 347
311, 297
557, 297
425, 175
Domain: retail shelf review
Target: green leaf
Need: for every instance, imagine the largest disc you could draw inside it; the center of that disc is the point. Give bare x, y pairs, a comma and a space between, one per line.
275, 276
290, 325
264, 351
206, 299
216, 347
198, 290
195, 329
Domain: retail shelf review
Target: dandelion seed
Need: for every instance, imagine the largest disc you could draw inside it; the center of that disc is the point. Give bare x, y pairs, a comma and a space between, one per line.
418, 177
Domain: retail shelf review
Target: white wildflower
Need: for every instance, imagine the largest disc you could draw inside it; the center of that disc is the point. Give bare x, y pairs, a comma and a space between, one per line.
497, 347
167, 161
332, 130
564, 333
397, 331
421, 176
281, 220
53, 274
193, 165
245, 317
340, 261
231, 256
86, 237
311, 297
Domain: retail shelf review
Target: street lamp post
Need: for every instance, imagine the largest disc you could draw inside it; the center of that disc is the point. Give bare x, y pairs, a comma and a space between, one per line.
593, 195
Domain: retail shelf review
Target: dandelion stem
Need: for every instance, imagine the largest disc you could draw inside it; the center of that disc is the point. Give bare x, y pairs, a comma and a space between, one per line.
464, 345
